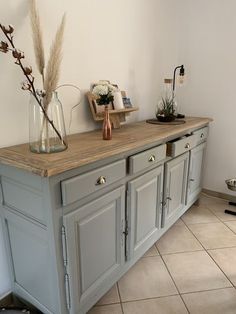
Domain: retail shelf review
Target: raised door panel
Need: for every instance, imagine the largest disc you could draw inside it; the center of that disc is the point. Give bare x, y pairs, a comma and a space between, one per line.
95, 243
31, 260
144, 210
195, 172
176, 174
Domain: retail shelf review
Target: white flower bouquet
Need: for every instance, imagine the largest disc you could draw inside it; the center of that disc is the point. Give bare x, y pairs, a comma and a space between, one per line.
103, 90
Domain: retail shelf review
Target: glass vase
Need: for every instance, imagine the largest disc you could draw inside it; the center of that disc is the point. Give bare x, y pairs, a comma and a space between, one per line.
167, 108
46, 128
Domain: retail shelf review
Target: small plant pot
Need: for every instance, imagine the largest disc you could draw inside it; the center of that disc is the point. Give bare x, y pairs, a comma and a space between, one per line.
165, 118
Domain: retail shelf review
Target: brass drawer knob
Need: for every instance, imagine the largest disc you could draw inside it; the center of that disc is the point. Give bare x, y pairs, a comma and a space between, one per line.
101, 180
187, 146
152, 158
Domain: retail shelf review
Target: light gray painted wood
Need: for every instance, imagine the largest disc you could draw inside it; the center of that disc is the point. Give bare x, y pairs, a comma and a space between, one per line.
78, 187
30, 252
182, 145
54, 223
201, 135
144, 211
53, 257
26, 199
146, 159
95, 245
195, 172
21, 176
176, 175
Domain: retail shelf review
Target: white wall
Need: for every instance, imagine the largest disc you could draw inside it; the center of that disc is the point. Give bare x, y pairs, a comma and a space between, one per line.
208, 50
130, 42
105, 39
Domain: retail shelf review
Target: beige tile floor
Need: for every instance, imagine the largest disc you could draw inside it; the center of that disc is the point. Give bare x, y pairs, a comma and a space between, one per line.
191, 269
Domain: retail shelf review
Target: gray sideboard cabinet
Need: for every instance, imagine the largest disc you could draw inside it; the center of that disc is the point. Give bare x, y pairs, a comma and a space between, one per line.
77, 221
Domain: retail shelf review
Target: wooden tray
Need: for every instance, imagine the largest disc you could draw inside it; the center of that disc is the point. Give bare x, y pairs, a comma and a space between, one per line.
175, 122
116, 116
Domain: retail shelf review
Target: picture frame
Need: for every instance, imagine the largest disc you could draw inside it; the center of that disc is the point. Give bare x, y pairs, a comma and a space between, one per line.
127, 103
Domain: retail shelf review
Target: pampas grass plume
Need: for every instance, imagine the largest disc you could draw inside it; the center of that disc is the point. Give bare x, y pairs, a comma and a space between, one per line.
37, 38
54, 63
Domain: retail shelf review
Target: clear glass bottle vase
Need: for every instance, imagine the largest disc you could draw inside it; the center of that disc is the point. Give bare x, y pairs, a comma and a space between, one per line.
46, 129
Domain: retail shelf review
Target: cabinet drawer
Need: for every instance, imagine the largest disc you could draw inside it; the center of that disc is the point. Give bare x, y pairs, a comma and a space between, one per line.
80, 186
201, 135
147, 158
181, 146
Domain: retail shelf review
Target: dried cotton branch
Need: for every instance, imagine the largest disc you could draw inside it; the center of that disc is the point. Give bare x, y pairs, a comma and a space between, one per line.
37, 38
54, 62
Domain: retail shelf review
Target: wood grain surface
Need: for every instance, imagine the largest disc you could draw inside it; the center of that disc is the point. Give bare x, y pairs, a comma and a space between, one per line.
86, 148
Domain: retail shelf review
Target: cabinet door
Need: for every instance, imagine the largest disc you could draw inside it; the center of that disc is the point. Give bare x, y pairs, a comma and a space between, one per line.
95, 246
195, 172
144, 211
175, 188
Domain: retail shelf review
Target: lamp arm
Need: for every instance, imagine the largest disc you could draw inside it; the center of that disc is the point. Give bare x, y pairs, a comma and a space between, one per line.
178, 67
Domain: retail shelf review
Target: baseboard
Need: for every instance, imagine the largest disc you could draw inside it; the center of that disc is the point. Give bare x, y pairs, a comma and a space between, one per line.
225, 196
6, 299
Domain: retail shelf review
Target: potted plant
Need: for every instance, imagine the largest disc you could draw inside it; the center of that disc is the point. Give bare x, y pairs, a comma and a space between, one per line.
166, 109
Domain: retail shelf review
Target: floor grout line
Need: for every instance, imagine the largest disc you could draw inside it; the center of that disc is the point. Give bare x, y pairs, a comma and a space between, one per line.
118, 289
189, 228
152, 298
202, 223
157, 248
107, 304
212, 258
221, 248
183, 252
224, 222
213, 212
229, 226
175, 284
207, 290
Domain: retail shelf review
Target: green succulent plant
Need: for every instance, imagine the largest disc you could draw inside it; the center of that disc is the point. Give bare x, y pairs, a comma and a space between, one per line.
166, 107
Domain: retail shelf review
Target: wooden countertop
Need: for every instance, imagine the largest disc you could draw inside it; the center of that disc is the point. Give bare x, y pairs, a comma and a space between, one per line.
85, 148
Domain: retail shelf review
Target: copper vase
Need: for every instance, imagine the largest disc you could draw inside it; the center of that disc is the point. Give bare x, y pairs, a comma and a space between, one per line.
106, 128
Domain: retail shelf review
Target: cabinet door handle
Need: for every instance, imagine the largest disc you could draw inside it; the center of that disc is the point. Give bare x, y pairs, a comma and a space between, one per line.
191, 180
169, 198
152, 158
101, 180
202, 135
187, 146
